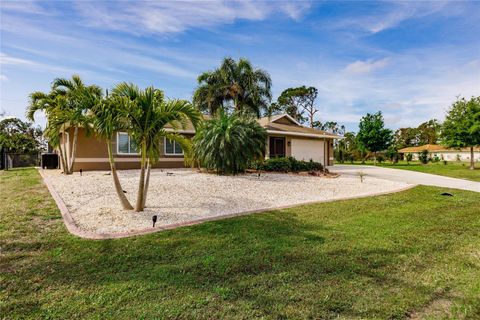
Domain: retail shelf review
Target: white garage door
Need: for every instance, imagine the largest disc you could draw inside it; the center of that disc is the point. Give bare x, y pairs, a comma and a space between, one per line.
308, 149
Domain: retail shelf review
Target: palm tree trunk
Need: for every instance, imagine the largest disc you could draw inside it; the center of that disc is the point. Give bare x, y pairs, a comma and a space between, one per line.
62, 159
472, 162
74, 150
60, 156
141, 183
147, 181
64, 152
116, 181
375, 158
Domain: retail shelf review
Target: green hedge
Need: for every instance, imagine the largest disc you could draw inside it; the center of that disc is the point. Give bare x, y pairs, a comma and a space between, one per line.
289, 164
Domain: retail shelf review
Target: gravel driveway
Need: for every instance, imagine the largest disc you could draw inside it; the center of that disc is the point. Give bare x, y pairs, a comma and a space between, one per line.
184, 195
411, 177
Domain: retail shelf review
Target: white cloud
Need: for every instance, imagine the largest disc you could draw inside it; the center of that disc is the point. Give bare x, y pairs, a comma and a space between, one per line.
394, 13
29, 7
6, 59
176, 16
361, 67
295, 10
414, 86
24, 63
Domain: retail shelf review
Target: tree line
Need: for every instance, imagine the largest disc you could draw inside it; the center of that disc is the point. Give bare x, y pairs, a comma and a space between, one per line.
461, 129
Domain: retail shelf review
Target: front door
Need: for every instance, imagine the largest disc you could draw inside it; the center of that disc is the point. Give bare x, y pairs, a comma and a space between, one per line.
277, 147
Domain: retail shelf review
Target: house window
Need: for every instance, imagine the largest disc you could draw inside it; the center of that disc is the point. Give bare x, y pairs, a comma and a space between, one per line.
125, 144
172, 147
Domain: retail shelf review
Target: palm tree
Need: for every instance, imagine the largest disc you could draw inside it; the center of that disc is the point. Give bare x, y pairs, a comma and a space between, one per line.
81, 99
53, 104
235, 85
148, 113
109, 118
228, 143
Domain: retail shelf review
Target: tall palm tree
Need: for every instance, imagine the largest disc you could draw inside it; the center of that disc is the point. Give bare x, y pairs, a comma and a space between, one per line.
148, 114
53, 104
81, 99
107, 118
234, 85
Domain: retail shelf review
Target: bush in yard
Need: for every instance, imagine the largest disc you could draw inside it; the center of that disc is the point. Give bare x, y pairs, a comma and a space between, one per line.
289, 164
276, 165
392, 154
409, 157
228, 143
423, 156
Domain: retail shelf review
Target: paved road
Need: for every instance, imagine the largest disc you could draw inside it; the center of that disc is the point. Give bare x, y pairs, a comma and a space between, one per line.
407, 176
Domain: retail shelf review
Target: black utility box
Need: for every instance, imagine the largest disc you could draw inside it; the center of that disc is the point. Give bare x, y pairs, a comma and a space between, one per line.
49, 161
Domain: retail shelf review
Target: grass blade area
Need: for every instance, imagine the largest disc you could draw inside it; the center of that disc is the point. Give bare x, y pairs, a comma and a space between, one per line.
415, 253
451, 169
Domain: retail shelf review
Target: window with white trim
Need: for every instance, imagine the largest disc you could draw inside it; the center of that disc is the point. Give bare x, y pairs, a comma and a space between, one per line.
172, 147
125, 144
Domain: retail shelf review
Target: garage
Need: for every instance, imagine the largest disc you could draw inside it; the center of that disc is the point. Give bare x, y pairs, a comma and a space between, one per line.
304, 149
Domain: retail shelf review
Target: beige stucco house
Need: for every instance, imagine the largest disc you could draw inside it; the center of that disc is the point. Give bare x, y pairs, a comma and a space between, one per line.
447, 154
286, 137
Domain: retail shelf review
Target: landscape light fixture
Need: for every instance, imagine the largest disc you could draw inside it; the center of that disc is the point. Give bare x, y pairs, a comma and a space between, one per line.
80, 171
154, 219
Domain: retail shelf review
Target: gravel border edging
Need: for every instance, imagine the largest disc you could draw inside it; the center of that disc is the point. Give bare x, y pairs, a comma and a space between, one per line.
73, 228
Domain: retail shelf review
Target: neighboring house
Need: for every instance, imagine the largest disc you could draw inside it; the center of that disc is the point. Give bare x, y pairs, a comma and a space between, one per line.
286, 137
443, 153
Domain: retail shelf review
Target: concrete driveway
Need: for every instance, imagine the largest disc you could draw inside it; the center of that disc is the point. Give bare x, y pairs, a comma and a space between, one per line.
407, 176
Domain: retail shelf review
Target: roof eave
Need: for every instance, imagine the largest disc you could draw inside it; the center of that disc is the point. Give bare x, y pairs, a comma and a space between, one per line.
301, 134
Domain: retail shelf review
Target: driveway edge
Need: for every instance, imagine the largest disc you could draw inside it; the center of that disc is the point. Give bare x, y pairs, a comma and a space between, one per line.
74, 229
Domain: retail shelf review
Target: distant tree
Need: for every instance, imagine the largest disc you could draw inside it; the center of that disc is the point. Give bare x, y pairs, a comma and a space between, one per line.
330, 126
17, 136
234, 86
461, 128
347, 147
373, 135
428, 132
299, 103
406, 137
392, 154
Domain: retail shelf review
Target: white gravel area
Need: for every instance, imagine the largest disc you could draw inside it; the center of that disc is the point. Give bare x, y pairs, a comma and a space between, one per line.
184, 195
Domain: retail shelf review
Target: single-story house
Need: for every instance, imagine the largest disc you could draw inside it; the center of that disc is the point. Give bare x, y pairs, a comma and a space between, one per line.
448, 154
286, 137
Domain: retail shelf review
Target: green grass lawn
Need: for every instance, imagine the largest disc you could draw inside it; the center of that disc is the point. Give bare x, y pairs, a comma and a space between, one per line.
451, 169
383, 257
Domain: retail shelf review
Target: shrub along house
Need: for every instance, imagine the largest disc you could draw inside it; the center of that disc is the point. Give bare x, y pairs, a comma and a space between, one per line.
286, 138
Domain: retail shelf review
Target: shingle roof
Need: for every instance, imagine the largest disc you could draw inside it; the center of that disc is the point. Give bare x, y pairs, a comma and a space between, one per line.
269, 124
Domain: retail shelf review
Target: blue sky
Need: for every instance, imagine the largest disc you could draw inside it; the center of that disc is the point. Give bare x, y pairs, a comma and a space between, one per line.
409, 59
